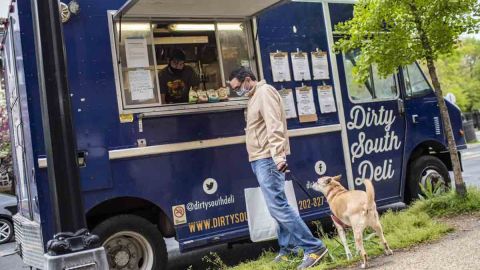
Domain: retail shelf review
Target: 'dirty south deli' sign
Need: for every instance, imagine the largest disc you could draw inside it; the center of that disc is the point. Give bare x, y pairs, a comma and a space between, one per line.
362, 147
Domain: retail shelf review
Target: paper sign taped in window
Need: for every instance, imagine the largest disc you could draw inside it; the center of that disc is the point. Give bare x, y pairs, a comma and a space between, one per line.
141, 85
136, 52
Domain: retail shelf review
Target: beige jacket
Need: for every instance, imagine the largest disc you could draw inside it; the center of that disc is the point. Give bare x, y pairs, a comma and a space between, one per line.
266, 124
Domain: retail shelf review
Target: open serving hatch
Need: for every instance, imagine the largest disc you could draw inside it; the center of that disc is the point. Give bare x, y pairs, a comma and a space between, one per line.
194, 8
216, 37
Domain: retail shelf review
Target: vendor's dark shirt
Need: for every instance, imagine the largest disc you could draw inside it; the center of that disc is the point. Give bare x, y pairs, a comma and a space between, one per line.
175, 86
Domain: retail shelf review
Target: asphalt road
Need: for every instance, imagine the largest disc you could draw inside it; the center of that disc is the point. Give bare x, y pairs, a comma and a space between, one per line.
11, 262
471, 162
177, 261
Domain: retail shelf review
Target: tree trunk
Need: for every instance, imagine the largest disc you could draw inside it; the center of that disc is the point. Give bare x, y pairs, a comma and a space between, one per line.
447, 127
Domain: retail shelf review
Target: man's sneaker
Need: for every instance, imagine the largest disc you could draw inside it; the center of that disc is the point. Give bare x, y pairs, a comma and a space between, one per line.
280, 258
310, 260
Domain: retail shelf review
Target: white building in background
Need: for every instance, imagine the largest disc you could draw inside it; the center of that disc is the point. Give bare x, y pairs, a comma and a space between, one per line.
4, 4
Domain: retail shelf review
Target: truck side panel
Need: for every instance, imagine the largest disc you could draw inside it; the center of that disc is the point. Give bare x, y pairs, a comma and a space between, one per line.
96, 119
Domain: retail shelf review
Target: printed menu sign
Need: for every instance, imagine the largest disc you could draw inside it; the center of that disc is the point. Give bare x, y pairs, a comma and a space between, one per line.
301, 67
326, 99
280, 67
320, 66
306, 104
288, 103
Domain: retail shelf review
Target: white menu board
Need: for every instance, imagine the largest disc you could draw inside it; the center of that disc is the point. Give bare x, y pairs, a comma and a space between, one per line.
320, 66
301, 66
280, 67
288, 103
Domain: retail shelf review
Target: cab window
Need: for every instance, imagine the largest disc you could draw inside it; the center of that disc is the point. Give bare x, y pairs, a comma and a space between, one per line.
415, 82
374, 89
179, 65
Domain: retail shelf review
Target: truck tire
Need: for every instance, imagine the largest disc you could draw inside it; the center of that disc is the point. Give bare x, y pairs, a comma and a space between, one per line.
132, 242
422, 169
6, 230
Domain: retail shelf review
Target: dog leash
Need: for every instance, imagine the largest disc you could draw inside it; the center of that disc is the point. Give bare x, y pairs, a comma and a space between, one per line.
334, 218
299, 184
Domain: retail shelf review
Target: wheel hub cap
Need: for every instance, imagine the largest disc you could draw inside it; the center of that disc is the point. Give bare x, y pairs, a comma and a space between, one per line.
4, 231
122, 258
432, 176
128, 251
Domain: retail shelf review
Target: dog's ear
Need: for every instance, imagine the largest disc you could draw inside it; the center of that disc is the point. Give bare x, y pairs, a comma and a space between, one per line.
337, 178
328, 180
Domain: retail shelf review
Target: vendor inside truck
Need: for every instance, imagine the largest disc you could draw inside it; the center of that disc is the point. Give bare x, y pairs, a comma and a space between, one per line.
180, 65
177, 79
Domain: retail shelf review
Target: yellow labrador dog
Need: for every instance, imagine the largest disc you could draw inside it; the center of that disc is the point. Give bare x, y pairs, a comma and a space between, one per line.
355, 208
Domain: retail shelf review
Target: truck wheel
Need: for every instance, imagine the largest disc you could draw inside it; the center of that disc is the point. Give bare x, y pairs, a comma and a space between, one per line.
6, 230
132, 242
422, 170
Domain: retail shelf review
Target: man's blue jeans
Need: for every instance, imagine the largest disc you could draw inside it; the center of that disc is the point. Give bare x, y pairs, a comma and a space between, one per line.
293, 233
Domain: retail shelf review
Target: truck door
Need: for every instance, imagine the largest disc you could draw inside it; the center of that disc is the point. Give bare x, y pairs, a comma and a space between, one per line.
421, 106
375, 125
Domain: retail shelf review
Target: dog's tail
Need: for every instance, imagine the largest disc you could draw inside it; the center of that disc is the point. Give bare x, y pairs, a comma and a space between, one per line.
370, 194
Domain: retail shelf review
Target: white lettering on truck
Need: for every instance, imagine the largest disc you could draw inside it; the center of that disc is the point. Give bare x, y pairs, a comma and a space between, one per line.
361, 118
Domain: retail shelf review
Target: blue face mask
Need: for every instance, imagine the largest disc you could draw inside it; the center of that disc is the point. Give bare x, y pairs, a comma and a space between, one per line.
242, 91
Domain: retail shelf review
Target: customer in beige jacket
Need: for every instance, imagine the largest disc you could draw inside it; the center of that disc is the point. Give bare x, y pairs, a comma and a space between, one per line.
268, 148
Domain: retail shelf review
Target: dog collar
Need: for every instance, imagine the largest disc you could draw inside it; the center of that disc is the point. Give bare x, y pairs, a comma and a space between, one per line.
339, 222
335, 192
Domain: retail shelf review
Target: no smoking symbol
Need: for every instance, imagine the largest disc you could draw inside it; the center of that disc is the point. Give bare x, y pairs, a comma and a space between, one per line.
179, 212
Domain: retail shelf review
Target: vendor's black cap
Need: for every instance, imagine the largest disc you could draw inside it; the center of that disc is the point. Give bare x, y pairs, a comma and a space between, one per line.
177, 54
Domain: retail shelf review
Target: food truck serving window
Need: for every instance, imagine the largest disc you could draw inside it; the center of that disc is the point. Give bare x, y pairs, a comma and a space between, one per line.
174, 57
180, 66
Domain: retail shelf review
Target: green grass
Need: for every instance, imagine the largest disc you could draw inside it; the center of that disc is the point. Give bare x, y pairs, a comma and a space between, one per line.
449, 204
403, 229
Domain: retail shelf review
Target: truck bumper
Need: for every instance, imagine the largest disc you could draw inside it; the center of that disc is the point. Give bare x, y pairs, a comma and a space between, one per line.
28, 235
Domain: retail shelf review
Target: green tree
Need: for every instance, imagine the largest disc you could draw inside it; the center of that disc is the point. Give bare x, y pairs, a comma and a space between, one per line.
393, 33
459, 73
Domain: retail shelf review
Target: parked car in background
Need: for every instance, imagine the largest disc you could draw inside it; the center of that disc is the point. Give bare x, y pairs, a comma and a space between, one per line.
8, 208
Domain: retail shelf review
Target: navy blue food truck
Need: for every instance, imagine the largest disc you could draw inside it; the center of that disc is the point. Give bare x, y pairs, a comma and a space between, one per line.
152, 170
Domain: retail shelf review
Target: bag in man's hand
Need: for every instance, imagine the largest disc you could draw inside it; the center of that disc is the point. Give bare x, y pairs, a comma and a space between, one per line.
261, 225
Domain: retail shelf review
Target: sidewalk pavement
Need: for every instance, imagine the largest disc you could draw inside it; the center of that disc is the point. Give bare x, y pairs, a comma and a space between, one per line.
458, 250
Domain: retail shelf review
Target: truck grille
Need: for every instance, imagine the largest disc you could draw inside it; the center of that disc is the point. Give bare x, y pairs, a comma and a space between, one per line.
28, 235
436, 122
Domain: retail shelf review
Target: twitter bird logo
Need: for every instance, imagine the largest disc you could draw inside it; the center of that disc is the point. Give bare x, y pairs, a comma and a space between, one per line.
210, 186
